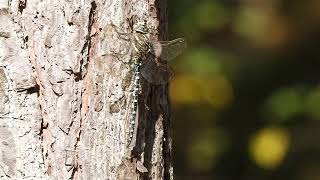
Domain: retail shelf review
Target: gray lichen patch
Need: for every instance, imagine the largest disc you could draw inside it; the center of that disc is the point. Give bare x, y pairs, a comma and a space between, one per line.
7, 152
20, 72
18, 68
3, 87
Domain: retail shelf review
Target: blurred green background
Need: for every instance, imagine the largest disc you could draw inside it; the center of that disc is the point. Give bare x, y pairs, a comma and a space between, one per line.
246, 94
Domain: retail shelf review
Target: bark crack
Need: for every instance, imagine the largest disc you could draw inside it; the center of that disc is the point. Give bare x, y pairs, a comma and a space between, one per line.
80, 76
87, 45
42, 127
74, 171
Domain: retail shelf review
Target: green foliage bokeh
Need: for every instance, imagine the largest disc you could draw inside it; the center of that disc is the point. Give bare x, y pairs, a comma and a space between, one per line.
246, 96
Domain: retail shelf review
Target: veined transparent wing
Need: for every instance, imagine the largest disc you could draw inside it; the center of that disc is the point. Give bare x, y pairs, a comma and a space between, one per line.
155, 72
168, 50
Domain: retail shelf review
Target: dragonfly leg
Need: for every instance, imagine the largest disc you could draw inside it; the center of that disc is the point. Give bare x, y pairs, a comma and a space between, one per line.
119, 54
119, 57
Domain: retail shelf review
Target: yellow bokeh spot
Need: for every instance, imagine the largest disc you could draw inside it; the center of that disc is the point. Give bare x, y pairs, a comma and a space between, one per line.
215, 91
184, 90
218, 92
269, 146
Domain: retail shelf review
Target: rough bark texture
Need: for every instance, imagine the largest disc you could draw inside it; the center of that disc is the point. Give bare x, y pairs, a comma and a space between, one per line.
64, 102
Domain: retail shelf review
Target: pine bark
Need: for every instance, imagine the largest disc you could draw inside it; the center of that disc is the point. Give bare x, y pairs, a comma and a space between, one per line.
64, 102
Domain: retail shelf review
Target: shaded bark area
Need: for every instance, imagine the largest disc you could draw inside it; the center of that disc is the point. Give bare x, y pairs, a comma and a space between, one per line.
64, 100
158, 124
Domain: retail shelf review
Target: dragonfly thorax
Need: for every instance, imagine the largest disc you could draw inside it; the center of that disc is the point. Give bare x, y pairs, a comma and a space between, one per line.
141, 27
141, 43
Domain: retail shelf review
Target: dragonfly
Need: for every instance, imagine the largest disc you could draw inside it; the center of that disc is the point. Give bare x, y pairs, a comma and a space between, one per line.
149, 59
152, 54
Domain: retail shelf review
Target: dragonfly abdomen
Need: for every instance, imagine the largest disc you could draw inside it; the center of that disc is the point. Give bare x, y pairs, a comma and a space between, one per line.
135, 94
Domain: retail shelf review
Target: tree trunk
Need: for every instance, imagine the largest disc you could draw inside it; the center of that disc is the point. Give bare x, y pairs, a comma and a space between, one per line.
64, 103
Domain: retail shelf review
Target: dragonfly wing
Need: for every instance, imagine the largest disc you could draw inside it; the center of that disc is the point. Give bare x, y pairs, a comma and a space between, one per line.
155, 72
168, 50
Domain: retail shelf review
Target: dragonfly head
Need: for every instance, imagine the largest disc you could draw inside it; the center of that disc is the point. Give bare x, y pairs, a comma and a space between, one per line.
141, 27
